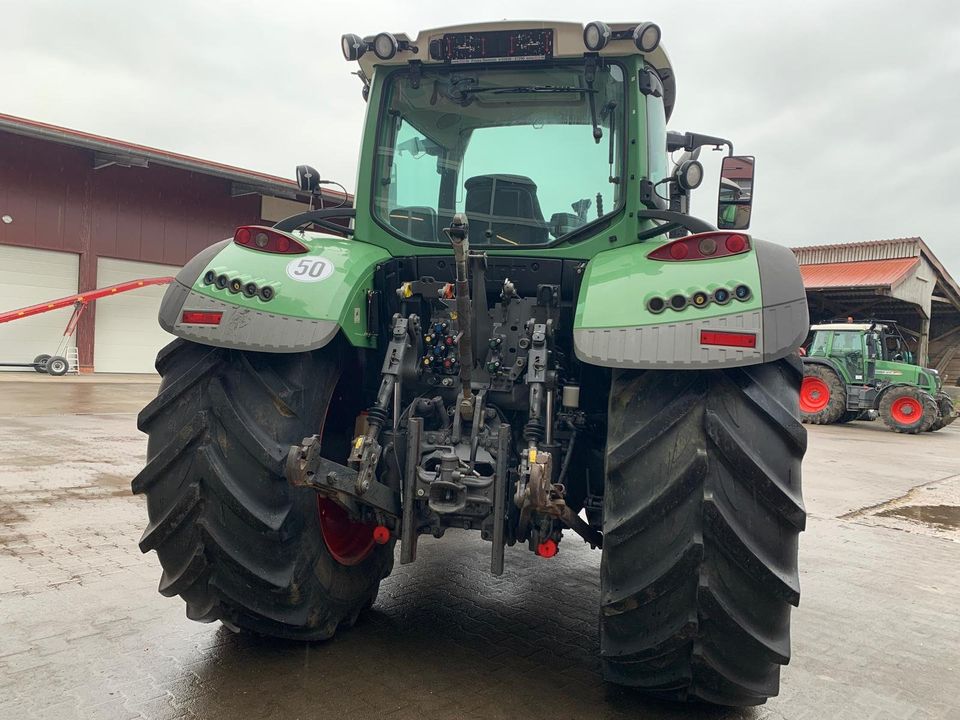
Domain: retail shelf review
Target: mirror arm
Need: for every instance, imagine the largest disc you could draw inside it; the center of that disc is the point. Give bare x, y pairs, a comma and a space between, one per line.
673, 220
318, 218
691, 141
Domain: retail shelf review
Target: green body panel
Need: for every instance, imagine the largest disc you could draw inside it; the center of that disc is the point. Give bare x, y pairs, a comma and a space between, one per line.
341, 297
898, 372
618, 283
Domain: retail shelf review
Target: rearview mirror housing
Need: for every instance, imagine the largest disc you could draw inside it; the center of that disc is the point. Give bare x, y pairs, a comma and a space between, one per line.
735, 202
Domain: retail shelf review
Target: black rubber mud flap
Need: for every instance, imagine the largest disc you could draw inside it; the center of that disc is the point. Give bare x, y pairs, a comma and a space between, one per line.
235, 541
702, 511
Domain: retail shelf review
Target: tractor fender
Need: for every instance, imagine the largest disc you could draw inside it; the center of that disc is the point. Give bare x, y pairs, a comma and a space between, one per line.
616, 324
827, 362
302, 300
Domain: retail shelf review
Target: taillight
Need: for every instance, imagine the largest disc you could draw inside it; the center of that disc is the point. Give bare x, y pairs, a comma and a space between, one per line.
703, 246
200, 317
728, 339
266, 239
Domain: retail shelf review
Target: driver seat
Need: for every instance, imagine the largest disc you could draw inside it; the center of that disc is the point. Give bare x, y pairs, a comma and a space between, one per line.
504, 208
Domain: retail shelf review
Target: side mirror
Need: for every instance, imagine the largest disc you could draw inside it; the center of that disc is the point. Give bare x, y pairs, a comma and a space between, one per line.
736, 192
308, 179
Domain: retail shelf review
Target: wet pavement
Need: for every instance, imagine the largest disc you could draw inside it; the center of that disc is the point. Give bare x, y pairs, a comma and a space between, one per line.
84, 634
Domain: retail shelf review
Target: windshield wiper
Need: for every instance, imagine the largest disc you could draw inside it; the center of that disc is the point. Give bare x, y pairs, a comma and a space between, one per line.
520, 89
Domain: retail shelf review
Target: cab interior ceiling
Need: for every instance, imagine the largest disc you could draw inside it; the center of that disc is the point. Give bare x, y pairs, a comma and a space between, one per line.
448, 120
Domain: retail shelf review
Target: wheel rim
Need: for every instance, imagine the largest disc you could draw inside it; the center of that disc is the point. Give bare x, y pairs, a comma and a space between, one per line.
906, 411
348, 541
814, 395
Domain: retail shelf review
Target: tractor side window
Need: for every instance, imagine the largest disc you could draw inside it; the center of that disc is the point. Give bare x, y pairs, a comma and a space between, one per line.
413, 186
656, 139
819, 345
845, 343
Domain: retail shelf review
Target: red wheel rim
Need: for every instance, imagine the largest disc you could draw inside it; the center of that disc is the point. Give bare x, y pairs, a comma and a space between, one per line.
906, 411
348, 541
814, 395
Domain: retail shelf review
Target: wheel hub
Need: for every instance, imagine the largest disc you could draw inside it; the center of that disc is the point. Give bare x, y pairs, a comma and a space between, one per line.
349, 541
814, 395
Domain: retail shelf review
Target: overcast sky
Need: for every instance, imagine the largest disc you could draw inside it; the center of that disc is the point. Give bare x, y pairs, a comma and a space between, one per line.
852, 108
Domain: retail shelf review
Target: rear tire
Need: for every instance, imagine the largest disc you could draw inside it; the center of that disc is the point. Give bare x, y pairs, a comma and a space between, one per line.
823, 396
702, 511
907, 409
235, 540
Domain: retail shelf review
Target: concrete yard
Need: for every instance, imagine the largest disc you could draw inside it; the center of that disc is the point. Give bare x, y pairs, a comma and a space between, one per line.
84, 634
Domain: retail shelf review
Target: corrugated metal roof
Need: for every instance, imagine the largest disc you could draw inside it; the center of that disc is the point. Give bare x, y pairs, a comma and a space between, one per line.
98, 143
856, 251
867, 273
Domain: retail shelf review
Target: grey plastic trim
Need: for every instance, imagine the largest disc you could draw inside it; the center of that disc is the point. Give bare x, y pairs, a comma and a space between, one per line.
191, 271
780, 280
242, 328
785, 328
786, 318
675, 345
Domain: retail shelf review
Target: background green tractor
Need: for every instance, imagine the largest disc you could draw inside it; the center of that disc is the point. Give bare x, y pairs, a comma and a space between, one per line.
853, 368
519, 330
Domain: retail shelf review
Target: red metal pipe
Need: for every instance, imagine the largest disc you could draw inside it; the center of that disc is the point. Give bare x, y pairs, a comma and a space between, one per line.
82, 298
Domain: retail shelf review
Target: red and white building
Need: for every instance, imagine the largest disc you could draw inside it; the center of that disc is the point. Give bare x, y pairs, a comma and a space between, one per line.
80, 211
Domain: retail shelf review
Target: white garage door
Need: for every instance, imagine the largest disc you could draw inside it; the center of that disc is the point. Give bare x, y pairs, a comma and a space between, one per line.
128, 335
30, 277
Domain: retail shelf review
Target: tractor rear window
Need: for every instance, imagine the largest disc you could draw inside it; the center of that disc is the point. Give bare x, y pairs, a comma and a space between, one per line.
514, 149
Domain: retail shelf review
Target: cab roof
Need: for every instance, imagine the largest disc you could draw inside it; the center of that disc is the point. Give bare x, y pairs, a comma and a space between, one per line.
844, 326
568, 43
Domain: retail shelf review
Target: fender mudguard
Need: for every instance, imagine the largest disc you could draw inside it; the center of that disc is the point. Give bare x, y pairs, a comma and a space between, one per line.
301, 301
615, 325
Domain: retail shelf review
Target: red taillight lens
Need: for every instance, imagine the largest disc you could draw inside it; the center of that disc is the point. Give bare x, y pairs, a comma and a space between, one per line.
728, 339
736, 244
199, 317
268, 240
702, 246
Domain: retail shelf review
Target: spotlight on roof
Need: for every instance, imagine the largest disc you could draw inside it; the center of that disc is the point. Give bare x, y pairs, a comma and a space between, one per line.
353, 46
646, 36
385, 46
596, 35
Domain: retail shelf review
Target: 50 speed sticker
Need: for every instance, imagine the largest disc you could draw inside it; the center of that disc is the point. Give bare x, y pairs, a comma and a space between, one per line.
313, 269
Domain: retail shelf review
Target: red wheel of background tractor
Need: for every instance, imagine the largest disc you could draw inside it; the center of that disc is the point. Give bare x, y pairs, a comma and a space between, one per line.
823, 396
348, 541
814, 395
908, 409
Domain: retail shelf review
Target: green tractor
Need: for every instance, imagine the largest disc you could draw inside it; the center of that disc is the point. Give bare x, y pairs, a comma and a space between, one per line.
518, 330
855, 370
